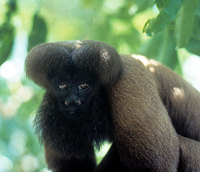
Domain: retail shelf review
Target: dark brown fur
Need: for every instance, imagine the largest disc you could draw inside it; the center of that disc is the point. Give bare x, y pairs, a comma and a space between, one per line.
189, 155
145, 94
150, 104
145, 136
93, 56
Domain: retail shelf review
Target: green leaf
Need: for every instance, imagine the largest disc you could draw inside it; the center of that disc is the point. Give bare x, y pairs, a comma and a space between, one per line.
38, 32
12, 5
4, 91
142, 5
11, 9
194, 46
7, 35
164, 18
102, 30
131, 40
162, 48
194, 43
198, 10
150, 48
168, 54
160, 3
92, 4
185, 22
196, 30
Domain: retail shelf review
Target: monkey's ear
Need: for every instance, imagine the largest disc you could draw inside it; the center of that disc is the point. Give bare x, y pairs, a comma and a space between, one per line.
46, 59
37, 64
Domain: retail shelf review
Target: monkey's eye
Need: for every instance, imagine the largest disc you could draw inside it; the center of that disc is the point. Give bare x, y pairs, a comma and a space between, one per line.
63, 86
83, 86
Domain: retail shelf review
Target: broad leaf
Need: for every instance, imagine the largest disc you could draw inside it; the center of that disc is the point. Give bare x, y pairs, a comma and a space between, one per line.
38, 32
162, 48
164, 18
7, 35
194, 46
185, 22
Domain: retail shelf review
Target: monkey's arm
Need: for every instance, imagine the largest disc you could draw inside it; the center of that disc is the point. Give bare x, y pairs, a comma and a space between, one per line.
189, 158
63, 163
189, 155
144, 135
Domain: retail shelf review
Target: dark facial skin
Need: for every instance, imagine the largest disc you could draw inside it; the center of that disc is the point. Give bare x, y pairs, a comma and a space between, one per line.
74, 113
74, 93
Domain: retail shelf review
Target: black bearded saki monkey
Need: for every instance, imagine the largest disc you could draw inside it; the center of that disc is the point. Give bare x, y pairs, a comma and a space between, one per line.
149, 113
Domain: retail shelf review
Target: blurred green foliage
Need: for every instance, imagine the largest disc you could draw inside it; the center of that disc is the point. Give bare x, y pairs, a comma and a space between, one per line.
173, 25
38, 32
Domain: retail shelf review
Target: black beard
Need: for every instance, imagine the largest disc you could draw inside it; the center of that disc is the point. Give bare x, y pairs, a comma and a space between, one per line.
74, 137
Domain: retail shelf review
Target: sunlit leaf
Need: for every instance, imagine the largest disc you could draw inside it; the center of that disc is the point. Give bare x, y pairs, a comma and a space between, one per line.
7, 35
185, 22
38, 32
164, 18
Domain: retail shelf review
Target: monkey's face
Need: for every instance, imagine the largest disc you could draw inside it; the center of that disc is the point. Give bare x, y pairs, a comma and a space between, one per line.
73, 92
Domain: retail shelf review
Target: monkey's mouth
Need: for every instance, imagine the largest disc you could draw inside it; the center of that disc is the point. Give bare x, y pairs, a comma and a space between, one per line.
72, 108
69, 110
72, 115
72, 112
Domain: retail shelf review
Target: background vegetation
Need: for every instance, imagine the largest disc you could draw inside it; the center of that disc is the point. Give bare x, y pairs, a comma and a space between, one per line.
166, 30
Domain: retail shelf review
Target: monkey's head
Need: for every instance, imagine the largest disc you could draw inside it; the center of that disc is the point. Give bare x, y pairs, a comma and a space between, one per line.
73, 72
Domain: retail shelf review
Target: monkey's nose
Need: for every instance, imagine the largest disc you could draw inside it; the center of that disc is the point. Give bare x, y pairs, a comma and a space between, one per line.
74, 100
66, 103
77, 102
